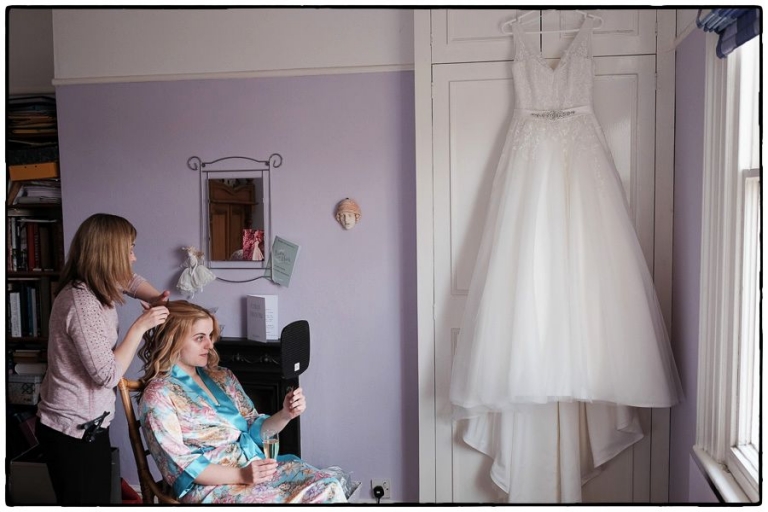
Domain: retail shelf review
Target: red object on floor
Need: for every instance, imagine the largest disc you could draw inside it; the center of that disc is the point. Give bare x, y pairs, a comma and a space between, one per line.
129, 496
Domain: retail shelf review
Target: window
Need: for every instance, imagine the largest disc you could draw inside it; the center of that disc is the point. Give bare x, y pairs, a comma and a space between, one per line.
729, 387
743, 456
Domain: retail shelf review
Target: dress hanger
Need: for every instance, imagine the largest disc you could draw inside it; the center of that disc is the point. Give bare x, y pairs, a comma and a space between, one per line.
522, 19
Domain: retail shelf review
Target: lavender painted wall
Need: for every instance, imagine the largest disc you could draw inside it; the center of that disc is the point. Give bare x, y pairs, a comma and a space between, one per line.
686, 265
699, 488
124, 149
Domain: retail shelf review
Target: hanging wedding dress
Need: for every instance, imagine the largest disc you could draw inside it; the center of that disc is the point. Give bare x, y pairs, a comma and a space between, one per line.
562, 334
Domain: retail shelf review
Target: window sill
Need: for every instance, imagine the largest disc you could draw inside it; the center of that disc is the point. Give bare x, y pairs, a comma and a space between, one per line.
721, 480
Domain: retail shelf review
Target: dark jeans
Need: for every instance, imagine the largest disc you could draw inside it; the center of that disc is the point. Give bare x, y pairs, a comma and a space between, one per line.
80, 472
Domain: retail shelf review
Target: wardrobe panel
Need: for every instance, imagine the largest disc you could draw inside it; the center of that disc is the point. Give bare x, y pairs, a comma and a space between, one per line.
611, 485
623, 32
472, 35
475, 105
624, 103
470, 478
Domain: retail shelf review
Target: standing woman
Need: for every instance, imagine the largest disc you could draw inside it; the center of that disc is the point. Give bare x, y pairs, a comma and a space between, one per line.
84, 362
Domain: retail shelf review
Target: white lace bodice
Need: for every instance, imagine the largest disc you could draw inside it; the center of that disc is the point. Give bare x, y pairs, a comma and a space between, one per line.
539, 87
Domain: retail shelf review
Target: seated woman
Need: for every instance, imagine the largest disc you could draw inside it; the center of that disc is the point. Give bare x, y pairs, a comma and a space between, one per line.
204, 432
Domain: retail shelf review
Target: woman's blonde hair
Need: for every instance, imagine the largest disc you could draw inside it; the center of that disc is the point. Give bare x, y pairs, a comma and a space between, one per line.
99, 257
163, 344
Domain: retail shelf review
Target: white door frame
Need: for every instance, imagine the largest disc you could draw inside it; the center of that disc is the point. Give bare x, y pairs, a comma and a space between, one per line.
425, 284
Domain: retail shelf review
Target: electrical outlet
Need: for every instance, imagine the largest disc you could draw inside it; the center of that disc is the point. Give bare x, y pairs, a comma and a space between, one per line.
384, 485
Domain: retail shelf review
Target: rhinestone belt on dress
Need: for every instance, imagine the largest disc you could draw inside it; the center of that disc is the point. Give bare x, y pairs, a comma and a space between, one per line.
553, 115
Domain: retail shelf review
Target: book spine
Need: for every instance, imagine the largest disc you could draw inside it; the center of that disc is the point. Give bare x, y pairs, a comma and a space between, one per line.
46, 248
22, 247
35, 247
15, 243
9, 245
26, 314
34, 311
15, 299
58, 246
8, 289
31, 262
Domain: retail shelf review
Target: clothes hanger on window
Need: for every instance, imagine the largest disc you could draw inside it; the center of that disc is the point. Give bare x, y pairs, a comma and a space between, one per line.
522, 18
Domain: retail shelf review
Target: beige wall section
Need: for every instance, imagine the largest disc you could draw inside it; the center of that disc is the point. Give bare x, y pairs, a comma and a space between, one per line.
113, 44
30, 51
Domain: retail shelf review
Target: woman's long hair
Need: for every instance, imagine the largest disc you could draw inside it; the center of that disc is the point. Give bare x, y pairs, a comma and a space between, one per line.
99, 257
162, 344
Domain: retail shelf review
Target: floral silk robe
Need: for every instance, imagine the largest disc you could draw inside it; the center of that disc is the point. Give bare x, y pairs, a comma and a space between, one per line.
186, 431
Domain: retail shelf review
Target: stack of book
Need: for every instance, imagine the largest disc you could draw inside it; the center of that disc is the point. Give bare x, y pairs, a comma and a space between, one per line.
31, 123
34, 192
29, 361
32, 147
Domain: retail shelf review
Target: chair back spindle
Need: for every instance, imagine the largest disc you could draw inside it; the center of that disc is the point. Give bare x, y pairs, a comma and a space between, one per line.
150, 489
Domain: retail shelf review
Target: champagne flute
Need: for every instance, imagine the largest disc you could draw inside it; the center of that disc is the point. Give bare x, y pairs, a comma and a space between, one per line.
271, 442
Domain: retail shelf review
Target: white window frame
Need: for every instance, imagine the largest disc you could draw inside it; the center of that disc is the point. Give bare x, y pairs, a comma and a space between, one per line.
728, 467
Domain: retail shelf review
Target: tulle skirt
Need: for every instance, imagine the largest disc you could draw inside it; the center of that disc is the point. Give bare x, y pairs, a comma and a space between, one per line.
561, 305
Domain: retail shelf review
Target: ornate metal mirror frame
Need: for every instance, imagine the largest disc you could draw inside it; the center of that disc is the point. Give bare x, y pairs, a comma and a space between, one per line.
235, 195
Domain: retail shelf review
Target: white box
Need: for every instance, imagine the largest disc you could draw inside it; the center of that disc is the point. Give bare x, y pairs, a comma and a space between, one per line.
262, 317
24, 389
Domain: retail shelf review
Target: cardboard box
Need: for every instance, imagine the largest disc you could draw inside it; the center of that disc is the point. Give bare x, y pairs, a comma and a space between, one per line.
43, 171
262, 318
29, 480
30, 484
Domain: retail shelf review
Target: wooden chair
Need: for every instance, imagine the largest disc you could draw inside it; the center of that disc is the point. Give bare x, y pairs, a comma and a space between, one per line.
150, 489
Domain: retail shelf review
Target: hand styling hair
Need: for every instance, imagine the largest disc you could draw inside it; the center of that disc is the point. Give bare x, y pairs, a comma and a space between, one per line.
163, 344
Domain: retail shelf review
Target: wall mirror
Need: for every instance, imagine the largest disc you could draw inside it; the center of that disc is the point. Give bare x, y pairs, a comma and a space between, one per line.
235, 212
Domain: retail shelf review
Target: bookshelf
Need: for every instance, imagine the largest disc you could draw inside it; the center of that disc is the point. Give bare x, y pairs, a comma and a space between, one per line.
34, 256
34, 260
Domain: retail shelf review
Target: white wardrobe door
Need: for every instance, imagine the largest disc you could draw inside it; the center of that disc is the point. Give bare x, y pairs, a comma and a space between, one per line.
472, 105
